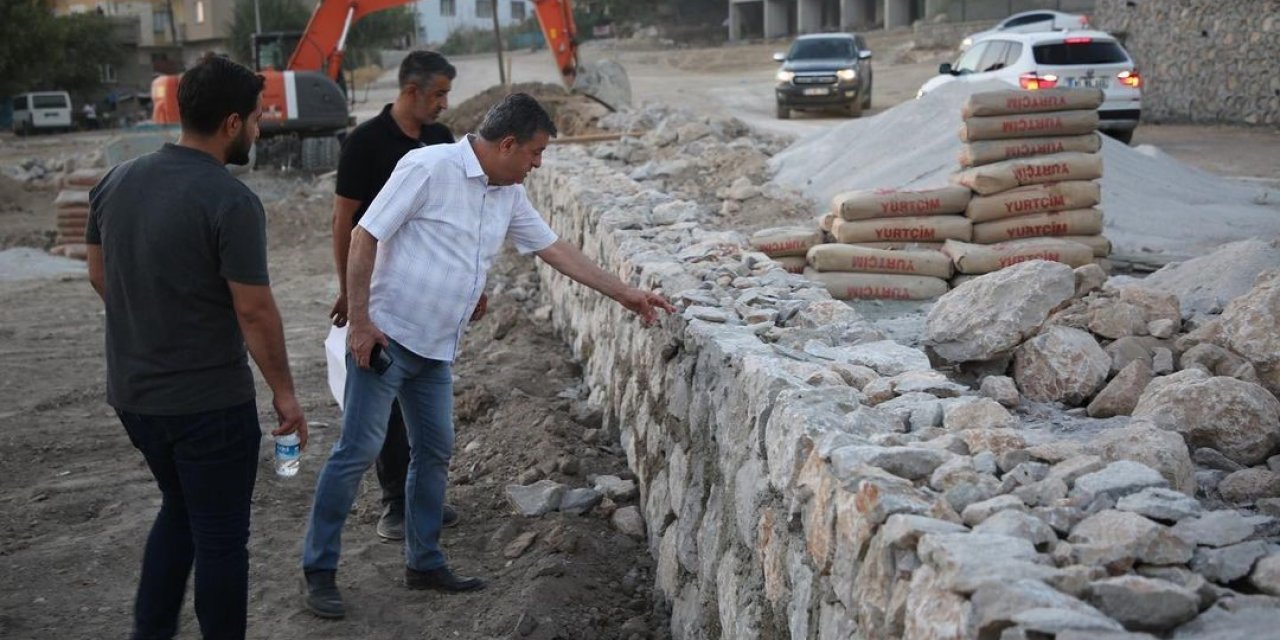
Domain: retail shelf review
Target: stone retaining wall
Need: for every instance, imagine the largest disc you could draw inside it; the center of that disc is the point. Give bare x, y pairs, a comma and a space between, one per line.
1203, 60
730, 426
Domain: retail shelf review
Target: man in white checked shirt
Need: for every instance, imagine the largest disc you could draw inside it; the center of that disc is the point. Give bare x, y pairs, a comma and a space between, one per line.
416, 269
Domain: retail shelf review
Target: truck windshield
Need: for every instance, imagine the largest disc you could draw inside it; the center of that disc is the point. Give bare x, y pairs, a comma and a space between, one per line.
818, 49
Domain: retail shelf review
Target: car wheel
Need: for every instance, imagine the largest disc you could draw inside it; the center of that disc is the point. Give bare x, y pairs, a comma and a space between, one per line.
784, 112
1124, 136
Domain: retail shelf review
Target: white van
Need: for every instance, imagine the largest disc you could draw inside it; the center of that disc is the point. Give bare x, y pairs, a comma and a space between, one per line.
41, 110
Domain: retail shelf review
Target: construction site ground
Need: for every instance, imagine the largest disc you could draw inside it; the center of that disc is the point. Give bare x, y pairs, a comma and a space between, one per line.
76, 500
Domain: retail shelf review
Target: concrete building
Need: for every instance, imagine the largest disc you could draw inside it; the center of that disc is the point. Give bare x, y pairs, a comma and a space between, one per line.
438, 18
782, 18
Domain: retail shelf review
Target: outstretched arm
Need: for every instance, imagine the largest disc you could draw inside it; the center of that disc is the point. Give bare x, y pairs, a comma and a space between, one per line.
570, 261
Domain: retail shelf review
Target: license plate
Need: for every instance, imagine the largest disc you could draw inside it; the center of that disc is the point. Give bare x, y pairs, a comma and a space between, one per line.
1097, 82
816, 91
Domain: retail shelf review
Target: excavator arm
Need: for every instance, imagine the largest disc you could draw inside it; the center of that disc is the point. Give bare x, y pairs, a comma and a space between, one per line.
324, 42
556, 19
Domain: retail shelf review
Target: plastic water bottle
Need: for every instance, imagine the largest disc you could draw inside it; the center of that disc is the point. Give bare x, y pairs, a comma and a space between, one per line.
288, 450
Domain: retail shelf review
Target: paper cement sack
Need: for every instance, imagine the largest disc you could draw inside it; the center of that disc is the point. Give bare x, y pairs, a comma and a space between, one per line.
979, 258
998, 103
847, 257
892, 203
786, 241
987, 151
1076, 222
1036, 198
898, 246
1029, 125
1100, 244
792, 264
877, 286
826, 220
1002, 176
910, 229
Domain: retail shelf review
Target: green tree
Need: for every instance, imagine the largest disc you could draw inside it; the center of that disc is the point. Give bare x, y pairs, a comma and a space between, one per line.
41, 51
375, 31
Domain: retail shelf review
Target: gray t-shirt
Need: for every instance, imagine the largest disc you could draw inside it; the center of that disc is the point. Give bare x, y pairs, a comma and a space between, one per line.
174, 227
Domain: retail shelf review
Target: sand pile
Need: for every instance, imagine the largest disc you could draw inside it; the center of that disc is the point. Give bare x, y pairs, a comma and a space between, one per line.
573, 115
1153, 202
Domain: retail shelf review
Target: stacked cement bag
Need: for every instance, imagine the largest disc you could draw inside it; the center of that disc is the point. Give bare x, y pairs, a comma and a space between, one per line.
1031, 157
787, 245
887, 243
851, 272
72, 206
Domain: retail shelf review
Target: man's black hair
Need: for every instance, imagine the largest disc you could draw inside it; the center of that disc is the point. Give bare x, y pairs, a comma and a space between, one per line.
516, 115
213, 89
419, 67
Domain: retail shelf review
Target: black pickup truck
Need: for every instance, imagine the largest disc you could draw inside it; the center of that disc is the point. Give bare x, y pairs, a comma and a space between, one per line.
824, 71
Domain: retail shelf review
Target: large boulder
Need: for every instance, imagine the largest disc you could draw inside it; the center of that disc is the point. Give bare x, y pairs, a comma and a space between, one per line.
991, 315
1251, 327
1205, 285
1157, 448
1239, 419
1061, 365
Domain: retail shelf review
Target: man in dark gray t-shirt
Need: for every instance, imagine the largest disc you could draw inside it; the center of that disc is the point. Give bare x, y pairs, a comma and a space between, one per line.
178, 253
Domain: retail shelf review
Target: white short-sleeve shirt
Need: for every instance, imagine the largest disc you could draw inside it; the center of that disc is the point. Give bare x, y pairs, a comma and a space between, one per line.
439, 225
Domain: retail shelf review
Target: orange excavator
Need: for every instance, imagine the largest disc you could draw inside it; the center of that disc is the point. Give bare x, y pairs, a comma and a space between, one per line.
305, 103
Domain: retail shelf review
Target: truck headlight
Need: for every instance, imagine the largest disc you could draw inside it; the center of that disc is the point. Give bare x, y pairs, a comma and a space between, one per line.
785, 76
848, 75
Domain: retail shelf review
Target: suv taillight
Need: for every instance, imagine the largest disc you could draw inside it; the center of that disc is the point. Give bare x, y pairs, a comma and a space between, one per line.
1130, 78
1032, 81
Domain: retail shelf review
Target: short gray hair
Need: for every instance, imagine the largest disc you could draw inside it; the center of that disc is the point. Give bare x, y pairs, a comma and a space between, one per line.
519, 115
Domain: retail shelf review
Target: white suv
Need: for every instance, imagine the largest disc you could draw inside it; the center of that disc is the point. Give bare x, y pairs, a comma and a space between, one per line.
1056, 59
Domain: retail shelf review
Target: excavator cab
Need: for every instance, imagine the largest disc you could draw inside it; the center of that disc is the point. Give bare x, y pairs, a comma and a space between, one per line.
271, 50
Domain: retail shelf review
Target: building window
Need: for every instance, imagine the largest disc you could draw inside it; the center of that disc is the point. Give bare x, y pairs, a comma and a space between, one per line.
106, 73
160, 21
448, 8
199, 12
484, 8
517, 11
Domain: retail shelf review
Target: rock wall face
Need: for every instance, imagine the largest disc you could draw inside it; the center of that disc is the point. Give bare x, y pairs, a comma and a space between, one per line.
1202, 60
802, 477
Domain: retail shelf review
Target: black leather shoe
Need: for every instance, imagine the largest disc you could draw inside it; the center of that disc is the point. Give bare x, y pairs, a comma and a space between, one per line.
391, 524
450, 516
321, 594
441, 579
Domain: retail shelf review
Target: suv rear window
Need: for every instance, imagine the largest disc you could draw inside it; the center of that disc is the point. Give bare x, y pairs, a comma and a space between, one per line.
48, 102
1097, 52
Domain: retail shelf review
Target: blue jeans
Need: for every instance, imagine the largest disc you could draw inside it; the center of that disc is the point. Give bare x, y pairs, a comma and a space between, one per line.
424, 388
205, 464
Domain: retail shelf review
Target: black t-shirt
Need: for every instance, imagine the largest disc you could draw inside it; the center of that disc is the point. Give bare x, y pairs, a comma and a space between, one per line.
174, 227
370, 154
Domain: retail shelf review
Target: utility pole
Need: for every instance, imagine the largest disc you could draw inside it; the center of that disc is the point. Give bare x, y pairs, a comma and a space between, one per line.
497, 40
257, 17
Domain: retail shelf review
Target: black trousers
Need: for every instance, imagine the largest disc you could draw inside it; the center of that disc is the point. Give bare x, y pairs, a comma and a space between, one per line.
205, 465
393, 461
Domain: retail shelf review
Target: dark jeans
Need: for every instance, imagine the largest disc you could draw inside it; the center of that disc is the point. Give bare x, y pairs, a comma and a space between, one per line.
205, 464
393, 461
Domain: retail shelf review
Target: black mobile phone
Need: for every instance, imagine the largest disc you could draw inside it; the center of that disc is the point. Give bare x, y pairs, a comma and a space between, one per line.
379, 359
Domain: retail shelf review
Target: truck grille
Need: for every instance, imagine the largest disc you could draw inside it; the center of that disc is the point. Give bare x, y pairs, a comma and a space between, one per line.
823, 79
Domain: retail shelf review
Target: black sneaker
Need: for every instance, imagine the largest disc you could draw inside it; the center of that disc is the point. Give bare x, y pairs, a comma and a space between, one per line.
441, 579
450, 516
321, 594
391, 524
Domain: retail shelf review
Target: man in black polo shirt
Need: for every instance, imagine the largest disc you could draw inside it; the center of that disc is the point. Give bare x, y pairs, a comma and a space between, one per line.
369, 155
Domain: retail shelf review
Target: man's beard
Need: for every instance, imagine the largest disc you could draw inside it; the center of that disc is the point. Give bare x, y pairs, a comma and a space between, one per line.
238, 153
